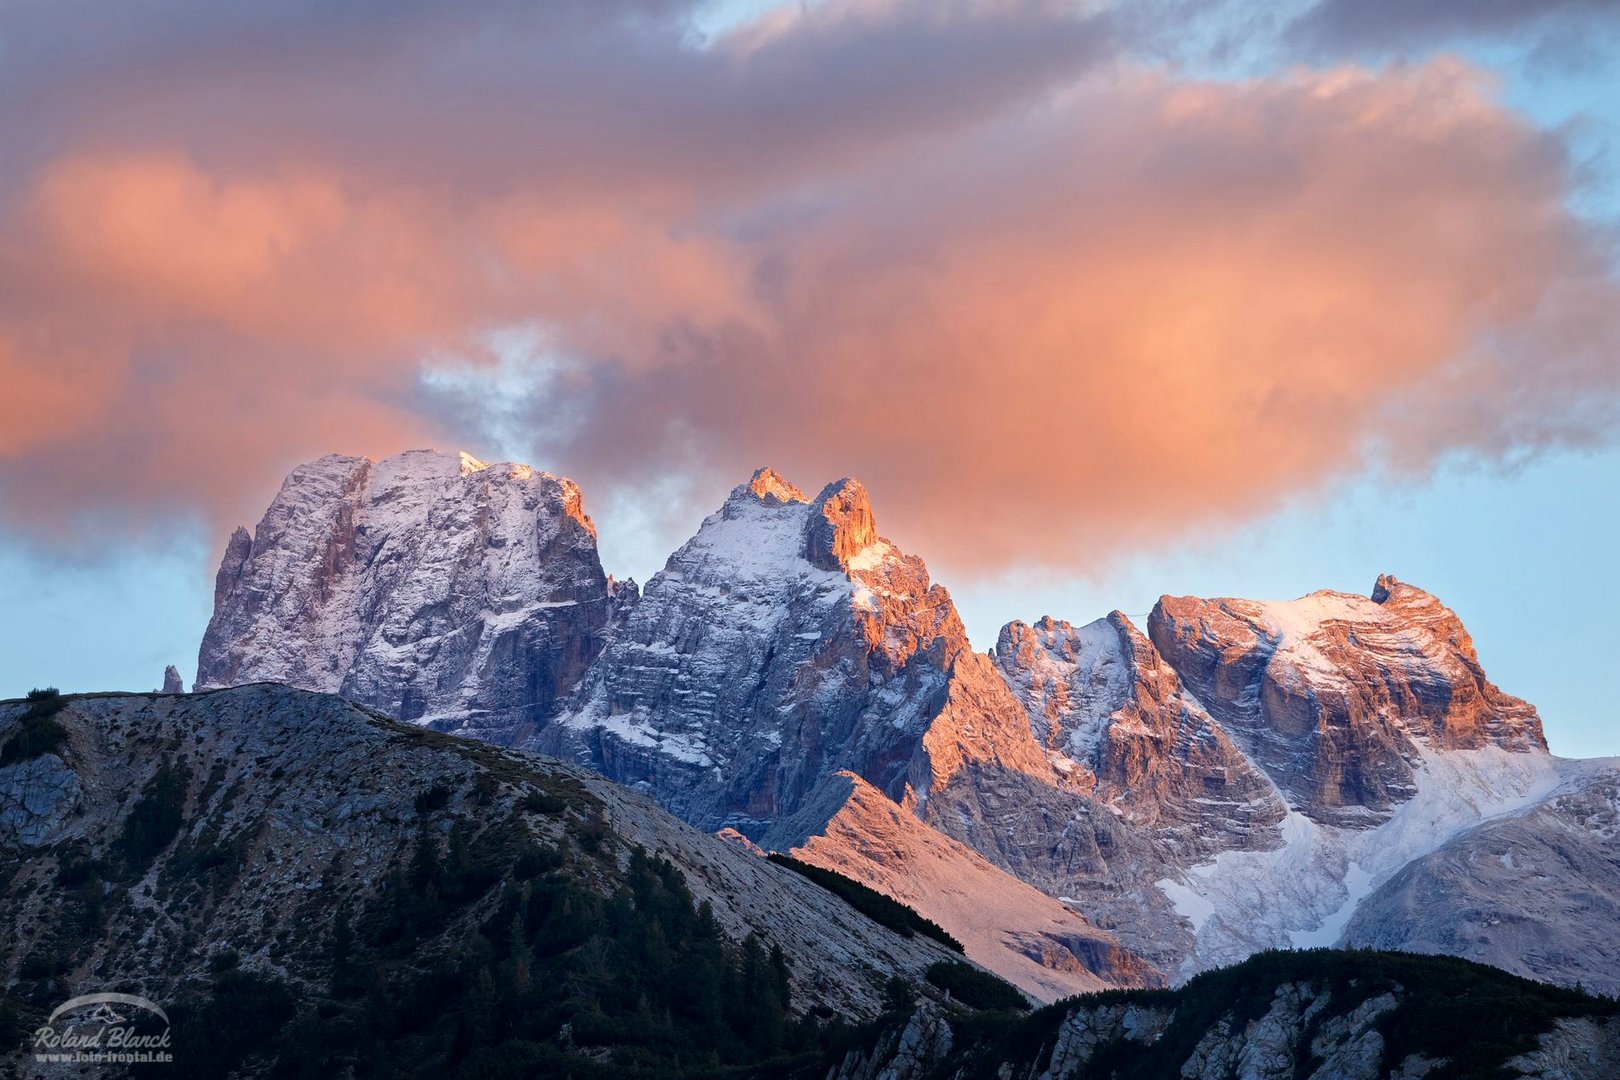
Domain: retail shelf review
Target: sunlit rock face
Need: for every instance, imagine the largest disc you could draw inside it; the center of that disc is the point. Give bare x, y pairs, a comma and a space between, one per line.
1332, 694
1115, 719
1017, 931
784, 642
430, 586
1242, 777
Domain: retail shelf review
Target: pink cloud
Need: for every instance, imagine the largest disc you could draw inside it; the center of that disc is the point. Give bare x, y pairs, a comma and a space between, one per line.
1046, 310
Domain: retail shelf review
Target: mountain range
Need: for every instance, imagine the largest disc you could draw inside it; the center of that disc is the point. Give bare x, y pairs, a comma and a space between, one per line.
1086, 805
312, 889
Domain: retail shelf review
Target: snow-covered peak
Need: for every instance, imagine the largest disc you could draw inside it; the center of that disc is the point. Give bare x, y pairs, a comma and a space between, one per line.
431, 585
1332, 693
1116, 721
1070, 679
784, 639
769, 534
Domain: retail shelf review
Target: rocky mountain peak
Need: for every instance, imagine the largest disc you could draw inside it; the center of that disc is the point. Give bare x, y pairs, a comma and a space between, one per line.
784, 641
432, 586
767, 484
237, 550
1339, 696
840, 526
1116, 720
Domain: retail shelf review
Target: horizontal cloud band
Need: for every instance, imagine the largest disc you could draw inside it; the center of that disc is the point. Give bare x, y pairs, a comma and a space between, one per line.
1038, 299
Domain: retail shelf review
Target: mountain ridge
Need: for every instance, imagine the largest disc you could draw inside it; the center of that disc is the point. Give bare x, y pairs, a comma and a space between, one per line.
1238, 777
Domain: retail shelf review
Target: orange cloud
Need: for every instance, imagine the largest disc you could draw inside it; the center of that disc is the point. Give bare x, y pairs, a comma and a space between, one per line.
1090, 313
1155, 308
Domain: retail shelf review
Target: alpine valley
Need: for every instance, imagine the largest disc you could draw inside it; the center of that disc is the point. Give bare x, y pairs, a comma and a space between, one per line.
448, 799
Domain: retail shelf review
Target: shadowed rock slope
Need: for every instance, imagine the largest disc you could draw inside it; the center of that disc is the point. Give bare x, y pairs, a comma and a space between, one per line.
398, 899
1314, 1015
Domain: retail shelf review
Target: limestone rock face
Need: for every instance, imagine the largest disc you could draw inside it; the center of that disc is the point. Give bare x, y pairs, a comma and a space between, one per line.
431, 586
1294, 1030
36, 796
1536, 893
1115, 718
840, 525
1247, 775
786, 641
1331, 694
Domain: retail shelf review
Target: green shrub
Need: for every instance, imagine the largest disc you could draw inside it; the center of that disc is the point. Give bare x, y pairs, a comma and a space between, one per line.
37, 732
434, 799
155, 819
644, 979
975, 987
879, 907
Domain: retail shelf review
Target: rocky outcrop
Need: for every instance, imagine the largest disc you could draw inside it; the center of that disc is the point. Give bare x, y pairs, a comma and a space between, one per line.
912, 1051
36, 796
172, 683
431, 586
1578, 1048
788, 642
1537, 893
840, 525
1305, 1018
1332, 694
1088, 1029
1240, 778
1115, 718
1362, 732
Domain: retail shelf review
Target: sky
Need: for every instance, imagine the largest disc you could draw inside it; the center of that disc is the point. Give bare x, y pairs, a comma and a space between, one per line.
1100, 300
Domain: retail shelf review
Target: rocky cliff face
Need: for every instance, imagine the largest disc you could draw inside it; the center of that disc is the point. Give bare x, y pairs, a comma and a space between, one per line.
436, 588
1114, 716
788, 642
1241, 777
1365, 736
784, 642
1315, 1016
1332, 693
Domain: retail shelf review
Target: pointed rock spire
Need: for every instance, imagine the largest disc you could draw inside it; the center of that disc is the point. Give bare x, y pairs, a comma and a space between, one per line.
767, 484
840, 524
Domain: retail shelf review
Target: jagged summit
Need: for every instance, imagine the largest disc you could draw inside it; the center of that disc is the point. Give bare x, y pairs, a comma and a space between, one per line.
841, 526
767, 484
1337, 695
432, 586
1116, 721
1237, 777
782, 642
833, 529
